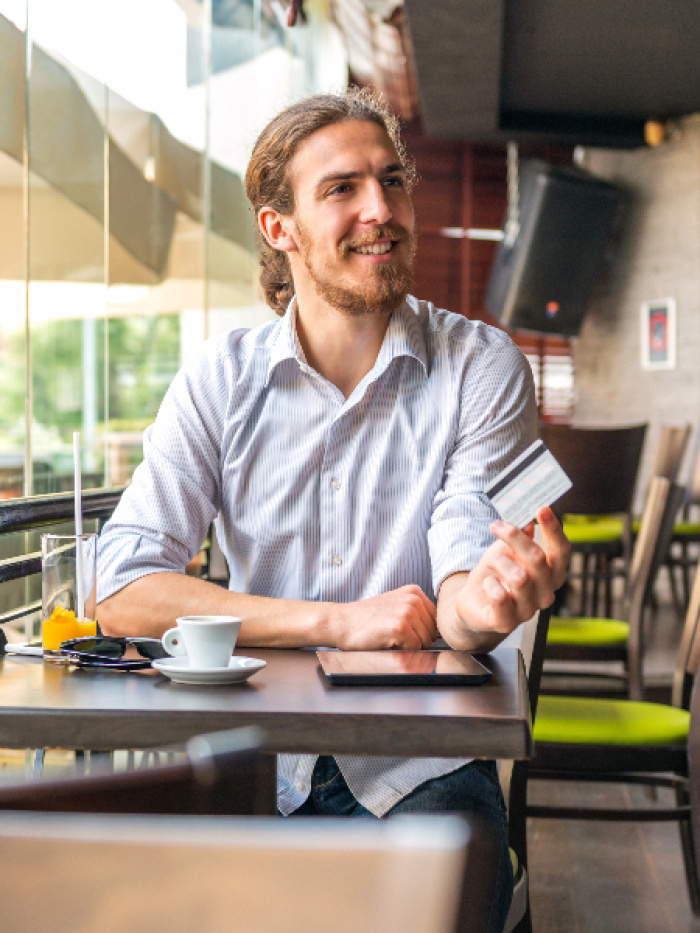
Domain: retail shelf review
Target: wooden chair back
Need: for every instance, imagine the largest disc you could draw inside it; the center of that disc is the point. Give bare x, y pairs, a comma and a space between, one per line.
688, 661
671, 445
80, 873
602, 463
222, 773
693, 494
663, 502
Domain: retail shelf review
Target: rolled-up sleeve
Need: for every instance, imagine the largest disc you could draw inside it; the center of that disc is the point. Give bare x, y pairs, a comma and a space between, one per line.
497, 421
164, 515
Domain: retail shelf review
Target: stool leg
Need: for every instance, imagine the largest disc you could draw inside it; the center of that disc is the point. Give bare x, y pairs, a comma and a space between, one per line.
685, 572
608, 585
101, 761
585, 580
598, 567
38, 765
679, 607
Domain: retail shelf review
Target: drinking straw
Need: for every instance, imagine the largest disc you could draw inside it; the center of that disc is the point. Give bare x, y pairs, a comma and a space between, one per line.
78, 525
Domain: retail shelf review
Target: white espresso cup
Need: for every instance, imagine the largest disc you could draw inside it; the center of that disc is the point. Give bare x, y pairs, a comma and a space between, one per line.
206, 641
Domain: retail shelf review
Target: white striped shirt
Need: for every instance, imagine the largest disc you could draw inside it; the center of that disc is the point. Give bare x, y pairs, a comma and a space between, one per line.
319, 497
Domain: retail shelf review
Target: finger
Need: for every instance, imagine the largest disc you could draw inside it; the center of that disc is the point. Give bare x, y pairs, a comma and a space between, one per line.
521, 549
424, 631
511, 574
526, 594
408, 638
556, 545
410, 627
426, 602
426, 613
500, 612
428, 617
524, 572
516, 538
529, 530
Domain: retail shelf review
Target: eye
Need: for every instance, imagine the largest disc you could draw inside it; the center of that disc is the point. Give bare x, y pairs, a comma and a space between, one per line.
394, 181
341, 188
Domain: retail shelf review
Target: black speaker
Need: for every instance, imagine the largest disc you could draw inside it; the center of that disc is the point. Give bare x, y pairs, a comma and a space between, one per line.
542, 282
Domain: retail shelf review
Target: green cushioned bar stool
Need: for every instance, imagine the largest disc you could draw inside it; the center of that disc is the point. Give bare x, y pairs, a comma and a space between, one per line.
586, 720
587, 631
631, 742
593, 529
589, 638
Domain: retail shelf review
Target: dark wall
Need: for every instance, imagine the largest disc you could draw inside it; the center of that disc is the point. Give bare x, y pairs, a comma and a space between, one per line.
460, 185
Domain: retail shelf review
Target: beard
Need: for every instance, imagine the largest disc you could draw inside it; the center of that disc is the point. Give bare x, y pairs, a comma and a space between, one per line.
383, 289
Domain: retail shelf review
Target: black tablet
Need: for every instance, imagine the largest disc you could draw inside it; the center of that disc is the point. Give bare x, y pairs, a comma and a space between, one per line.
434, 668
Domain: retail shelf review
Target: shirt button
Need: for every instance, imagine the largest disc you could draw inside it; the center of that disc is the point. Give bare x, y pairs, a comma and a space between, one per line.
335, 484
300, 787
337, 561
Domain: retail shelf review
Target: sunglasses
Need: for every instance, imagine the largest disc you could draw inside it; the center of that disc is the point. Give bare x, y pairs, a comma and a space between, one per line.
108, 651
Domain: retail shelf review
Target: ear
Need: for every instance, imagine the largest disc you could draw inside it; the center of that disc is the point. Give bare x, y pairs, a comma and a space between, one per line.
278, 229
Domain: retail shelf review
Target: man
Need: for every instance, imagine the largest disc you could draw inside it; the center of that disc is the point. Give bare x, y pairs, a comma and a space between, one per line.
345, 450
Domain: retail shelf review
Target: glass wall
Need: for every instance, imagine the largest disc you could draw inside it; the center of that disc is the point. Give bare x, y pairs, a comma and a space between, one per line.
13, 250
126, 241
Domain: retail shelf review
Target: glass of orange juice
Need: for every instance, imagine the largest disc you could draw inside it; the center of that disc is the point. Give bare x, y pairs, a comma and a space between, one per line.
68, 590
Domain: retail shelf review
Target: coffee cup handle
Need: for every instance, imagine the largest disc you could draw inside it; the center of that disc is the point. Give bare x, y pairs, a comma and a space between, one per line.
173, 643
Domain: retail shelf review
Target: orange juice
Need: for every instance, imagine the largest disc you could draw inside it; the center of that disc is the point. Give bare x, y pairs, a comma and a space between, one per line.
63, 625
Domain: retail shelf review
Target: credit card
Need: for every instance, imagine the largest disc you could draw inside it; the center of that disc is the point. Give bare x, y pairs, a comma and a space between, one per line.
532, 481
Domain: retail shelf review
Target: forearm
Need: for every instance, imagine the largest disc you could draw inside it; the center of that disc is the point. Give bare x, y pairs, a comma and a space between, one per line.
151, 604
454, 628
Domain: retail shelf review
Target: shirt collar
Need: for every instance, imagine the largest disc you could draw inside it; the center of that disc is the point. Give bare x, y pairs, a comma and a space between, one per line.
404, 337
286, 344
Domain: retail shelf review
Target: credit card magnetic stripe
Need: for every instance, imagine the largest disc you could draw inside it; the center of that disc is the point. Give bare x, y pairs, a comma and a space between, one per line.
532, 481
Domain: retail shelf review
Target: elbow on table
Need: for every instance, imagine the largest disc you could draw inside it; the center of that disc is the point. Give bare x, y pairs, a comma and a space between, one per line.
112, 616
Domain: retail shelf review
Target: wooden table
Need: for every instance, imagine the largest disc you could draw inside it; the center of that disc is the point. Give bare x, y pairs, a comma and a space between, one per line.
49, 706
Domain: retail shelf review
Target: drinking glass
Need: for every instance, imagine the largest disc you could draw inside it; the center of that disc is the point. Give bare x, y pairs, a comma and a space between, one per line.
68, 590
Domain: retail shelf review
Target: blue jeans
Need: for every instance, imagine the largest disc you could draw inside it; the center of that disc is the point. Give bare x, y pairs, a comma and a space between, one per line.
473, 789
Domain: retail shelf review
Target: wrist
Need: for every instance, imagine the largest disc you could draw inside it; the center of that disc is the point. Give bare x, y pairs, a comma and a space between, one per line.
458, 621
327, 624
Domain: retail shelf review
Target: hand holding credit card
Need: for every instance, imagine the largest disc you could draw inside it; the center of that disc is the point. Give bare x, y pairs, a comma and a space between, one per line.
532, 481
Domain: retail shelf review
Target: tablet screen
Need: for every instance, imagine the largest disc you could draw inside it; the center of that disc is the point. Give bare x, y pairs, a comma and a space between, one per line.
397, 668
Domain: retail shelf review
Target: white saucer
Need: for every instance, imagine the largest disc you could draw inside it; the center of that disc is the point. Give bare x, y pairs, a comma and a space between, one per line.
238, 669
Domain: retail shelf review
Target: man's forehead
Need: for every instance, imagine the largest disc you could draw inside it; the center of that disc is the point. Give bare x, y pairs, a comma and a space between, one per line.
345, 147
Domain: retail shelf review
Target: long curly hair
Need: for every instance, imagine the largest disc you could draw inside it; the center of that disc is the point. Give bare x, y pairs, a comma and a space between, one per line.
267, 181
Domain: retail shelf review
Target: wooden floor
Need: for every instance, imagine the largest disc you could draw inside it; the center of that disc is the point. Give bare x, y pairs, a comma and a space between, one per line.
596, 877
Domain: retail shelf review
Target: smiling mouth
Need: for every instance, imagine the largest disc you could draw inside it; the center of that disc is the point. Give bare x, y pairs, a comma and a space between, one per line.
375, 249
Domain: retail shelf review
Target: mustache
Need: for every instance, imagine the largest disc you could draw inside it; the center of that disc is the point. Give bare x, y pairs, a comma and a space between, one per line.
383, 232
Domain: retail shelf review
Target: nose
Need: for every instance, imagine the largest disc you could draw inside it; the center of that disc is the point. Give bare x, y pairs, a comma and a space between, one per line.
375, 207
